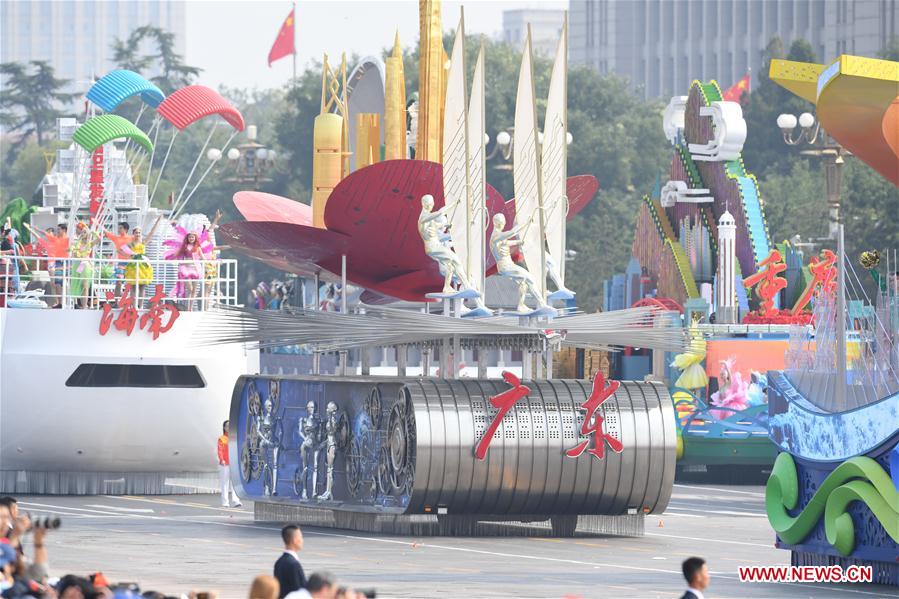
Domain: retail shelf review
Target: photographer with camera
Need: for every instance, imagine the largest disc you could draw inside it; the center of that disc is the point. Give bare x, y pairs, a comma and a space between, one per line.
31, 576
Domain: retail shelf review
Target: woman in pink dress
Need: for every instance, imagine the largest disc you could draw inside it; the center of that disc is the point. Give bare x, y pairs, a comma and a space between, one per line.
732, 391
191, 249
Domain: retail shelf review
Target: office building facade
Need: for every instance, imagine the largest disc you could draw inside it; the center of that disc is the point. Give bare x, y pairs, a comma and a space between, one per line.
661, 46
76, 37
546, 27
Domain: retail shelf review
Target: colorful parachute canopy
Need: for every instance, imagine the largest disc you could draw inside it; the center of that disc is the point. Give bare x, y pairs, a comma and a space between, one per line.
117, 86
194, 102
106, 127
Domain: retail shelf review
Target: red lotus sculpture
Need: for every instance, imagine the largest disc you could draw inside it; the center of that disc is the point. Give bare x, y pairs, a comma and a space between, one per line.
372, 218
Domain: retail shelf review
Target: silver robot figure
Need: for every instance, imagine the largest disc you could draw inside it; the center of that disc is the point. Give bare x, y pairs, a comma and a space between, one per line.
266, 429
310, 429
332, 425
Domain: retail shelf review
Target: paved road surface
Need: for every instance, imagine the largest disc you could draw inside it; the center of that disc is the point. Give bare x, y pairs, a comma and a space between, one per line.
179, 543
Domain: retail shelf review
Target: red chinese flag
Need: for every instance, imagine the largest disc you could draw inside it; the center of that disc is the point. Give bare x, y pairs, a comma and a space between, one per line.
735, 92
283, 45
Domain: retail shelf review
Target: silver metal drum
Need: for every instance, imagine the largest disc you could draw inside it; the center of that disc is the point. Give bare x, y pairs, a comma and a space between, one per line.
526, 469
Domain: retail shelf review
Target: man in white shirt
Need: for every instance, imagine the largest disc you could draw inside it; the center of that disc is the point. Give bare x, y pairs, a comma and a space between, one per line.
697, 574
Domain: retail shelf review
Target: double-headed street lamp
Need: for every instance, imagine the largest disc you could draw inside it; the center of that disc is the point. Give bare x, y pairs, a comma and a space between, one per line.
812, 135
250, 161
505, 142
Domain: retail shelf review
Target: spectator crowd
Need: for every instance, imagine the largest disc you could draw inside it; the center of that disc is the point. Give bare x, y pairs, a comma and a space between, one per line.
26, 574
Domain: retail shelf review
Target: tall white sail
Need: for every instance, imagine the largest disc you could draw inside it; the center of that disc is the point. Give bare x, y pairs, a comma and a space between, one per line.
477, 172
555, 155
455, 152
526, 174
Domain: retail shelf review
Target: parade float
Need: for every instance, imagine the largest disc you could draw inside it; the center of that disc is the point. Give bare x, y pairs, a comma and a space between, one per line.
701, 245
833, 494
422, 228
102, 387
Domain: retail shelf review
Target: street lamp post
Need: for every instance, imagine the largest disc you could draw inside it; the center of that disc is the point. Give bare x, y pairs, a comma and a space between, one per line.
505, 144
812, 135
250, 161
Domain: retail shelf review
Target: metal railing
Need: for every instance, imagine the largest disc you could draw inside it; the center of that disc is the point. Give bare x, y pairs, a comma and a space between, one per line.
88, 283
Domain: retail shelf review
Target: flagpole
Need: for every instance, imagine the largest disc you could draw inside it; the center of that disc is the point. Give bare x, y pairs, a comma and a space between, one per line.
294, 12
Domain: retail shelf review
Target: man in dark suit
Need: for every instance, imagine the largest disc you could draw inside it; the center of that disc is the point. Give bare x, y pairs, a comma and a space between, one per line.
288, 570
697, 574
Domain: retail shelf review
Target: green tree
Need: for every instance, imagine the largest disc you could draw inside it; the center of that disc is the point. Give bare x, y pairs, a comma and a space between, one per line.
30, 100
891, 50
765, 149
172, 72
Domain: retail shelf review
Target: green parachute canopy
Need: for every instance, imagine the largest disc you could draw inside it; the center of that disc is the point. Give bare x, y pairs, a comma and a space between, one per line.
107, 127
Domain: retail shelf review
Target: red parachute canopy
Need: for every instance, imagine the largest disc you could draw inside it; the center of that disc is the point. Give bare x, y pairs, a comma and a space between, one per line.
194, 102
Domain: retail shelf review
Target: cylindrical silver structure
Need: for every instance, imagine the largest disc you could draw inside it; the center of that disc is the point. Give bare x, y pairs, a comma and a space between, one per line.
526, 469
409, 446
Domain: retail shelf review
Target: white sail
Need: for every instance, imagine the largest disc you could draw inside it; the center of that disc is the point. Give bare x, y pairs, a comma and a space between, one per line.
526, 173
555, 156
477, 172
455, 152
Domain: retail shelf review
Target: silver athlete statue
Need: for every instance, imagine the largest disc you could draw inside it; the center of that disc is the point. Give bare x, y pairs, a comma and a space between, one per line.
501, 244
310, 429
332, 422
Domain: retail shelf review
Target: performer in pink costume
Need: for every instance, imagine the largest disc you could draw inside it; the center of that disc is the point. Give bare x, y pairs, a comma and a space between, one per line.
732, 391
191, 248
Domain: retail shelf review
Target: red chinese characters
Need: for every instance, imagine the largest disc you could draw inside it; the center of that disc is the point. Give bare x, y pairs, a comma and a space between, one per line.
593, 421
824, 274
504, 402
153, 321
127, 317
767, 283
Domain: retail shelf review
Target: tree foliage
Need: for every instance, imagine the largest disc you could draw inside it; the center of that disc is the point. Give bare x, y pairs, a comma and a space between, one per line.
30, 100
170, 70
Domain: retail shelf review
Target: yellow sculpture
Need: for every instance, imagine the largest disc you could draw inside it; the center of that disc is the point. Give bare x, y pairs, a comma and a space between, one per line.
431, 84
330, 139
395, 105
856, 101
693, 374
368, 139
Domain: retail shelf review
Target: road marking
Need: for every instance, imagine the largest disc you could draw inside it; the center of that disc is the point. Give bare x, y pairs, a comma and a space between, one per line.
623, 588
123, 509
707, 539
230, 510
585, 544
754, 494
717, 512
466, 570
697, 507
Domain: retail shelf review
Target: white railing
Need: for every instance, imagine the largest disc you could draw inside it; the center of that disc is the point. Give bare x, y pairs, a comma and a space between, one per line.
71, 283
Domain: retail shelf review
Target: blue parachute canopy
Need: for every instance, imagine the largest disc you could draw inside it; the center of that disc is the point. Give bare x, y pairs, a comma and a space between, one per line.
117, 86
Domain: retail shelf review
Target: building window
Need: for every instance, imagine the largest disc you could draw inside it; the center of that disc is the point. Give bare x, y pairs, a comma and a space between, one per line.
137, 375
727, 19
743, 17
771, 9
786, 17
802, 17
819, 14
757, 20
